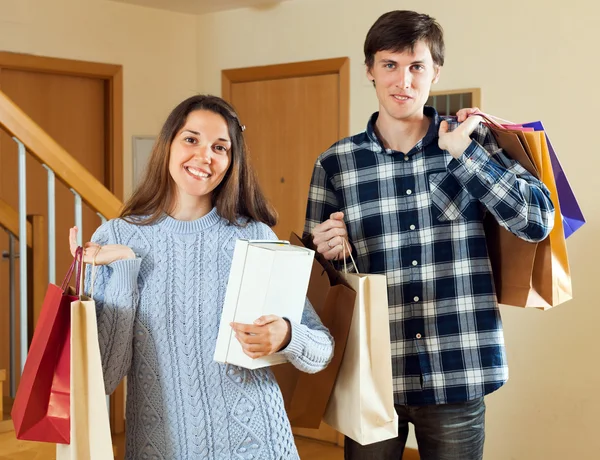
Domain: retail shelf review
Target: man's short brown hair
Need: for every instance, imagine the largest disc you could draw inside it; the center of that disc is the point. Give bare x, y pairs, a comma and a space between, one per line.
400, 30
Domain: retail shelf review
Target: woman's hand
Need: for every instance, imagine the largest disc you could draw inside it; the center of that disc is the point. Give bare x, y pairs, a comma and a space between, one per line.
266, 336
100, 255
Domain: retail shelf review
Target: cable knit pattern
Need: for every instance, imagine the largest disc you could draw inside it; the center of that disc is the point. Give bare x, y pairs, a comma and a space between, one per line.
158, 320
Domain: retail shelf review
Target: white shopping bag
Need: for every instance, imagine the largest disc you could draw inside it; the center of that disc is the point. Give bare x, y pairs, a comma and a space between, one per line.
361, 405
90, 425
266, 278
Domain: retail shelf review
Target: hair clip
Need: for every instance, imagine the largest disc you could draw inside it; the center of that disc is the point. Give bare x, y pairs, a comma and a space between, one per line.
243, 127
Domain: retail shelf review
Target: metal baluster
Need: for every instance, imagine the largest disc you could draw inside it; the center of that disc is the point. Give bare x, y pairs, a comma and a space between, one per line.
23, 249
51, 227
78, 217
12, 314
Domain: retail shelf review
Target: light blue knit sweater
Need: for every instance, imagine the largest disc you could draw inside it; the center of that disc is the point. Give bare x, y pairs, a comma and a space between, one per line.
158, 318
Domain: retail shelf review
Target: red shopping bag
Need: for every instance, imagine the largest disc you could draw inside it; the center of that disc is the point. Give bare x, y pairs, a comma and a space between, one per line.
41, 410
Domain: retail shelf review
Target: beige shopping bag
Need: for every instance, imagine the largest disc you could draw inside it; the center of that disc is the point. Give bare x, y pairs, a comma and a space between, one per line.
90, 426
361, 405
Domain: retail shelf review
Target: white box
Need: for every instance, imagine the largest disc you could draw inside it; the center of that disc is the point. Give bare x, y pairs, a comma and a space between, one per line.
266, 278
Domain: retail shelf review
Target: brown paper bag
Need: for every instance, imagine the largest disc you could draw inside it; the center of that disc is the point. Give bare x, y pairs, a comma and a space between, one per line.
529, 274
362, 402
90, 426
306, 395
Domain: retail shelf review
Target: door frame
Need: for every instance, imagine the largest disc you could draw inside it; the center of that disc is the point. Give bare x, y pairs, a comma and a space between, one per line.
335, 66
112, 75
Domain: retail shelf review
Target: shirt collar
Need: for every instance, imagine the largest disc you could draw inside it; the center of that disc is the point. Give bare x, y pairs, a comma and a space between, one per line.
432, 132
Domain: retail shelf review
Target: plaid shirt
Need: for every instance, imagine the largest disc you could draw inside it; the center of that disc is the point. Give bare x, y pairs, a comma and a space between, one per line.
418, 219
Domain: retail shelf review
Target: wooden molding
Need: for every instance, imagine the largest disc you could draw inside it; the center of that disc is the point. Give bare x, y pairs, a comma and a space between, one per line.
114, 121
6, 426
18, 124
410, 454
117, 409
9, 219
344, 91
278, 71
35, 63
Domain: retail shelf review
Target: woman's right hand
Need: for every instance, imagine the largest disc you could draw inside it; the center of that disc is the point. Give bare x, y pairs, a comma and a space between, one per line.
103, 255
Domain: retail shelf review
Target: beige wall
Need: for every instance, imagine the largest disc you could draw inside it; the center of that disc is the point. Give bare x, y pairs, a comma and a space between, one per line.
157, 49
532, 61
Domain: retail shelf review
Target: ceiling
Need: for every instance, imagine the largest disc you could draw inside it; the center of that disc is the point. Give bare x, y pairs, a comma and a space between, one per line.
202, 6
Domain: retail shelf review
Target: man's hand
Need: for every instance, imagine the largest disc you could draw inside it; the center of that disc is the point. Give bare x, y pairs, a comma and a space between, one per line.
457, 141
463, 114
331, 238
266, 336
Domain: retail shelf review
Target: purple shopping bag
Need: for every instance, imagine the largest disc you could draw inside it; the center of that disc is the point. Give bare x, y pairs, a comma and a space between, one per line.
571, 212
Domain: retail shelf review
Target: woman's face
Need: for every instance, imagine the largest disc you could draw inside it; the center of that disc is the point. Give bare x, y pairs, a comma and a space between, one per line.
200, 156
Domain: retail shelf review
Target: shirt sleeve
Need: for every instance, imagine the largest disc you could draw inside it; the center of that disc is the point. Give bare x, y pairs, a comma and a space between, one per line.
322, 199
518, 201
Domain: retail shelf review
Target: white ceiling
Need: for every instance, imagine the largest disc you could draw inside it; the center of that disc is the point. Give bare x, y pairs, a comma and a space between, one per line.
201, 6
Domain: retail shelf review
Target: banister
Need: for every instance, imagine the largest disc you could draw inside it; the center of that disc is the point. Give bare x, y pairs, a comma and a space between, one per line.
39, 144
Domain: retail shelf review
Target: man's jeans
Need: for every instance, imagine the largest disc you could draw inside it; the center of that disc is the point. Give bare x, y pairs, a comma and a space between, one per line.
443, 432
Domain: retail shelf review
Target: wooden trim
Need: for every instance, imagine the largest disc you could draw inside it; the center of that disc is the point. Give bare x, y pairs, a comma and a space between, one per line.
117, 409
410, 454
114, 141
113, 76
6, 426
38, 269
344, 115
476, 97
2, 379
49, 152
475, 94
18, 61
278, 71
9, 219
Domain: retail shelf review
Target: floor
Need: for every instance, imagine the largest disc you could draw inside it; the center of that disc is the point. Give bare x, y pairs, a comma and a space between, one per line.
13, 449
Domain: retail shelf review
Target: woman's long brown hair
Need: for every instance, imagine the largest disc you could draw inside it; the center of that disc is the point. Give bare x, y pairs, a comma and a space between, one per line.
238, 198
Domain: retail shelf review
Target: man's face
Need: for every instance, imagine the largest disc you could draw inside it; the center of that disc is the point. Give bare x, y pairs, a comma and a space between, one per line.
403, 81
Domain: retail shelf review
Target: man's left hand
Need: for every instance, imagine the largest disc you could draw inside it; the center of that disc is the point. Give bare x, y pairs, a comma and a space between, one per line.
457, 141
268, 335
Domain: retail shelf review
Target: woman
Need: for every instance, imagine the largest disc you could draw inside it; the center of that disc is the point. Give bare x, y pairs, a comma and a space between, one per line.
159, 293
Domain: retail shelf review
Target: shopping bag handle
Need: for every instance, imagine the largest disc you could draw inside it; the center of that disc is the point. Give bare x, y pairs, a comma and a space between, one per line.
94, 272
77, 258
344, 246
497, 122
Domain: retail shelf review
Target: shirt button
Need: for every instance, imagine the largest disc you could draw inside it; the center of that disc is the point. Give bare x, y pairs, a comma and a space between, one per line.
415, 263
405, 157
412, 227
409, 191
418, 336
416, 298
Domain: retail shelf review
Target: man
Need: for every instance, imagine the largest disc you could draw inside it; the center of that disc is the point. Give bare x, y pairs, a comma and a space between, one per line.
410, 194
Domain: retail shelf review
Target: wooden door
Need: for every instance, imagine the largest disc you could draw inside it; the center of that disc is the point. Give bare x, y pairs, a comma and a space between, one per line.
292, 113
73, 110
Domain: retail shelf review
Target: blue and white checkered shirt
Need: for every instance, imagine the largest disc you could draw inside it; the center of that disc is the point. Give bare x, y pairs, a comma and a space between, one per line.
418, 219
